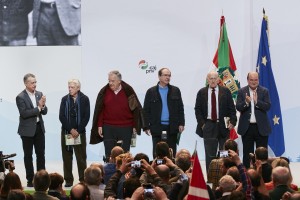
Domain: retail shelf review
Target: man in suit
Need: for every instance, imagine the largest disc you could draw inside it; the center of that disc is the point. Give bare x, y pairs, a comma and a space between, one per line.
74, 115
253, 102
213, 104
56, 22
31, 105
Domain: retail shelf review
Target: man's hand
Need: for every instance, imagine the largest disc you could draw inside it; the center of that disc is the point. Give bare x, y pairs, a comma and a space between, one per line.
147, 131
100, 132
248, 99
74, 133
181, 129
42, 102
234, 157
230, 126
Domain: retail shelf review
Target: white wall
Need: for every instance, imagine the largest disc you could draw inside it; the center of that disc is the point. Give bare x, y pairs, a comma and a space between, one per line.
182, 35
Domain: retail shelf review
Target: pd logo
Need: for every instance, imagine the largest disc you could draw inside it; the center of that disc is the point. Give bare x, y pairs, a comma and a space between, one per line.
143, 64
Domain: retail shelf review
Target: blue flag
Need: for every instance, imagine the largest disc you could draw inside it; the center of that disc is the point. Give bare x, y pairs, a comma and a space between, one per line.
266, 79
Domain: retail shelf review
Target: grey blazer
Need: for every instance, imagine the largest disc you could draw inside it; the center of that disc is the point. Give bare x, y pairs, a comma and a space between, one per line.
29, 114
69, 12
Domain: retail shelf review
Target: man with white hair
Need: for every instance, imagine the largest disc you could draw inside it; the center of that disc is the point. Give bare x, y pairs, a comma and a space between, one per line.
281, 179
93, 178
74, 115
227, 185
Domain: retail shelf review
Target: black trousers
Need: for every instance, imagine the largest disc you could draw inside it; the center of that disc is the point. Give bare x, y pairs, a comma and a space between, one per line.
252, 135
112, 134
38, 142
80, 154
212, 140
171, 140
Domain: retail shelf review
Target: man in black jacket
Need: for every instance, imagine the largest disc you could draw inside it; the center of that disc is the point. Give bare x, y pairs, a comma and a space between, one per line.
164, 111
74, 115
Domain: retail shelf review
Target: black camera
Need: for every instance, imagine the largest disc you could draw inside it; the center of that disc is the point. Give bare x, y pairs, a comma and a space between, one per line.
223, 153
160, 161
6, 164
136, 163
148, 190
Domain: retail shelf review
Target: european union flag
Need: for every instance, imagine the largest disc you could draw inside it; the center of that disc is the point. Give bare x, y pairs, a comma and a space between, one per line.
266, 79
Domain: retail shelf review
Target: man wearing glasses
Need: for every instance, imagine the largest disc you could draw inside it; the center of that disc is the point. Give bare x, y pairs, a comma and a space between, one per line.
164, 111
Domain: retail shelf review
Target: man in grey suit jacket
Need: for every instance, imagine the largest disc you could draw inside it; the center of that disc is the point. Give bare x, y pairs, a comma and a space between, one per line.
212, 129
56, 22
253, 102
31, 105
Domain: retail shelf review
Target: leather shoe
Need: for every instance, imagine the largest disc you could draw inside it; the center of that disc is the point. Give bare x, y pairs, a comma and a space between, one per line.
68, 185
29, 184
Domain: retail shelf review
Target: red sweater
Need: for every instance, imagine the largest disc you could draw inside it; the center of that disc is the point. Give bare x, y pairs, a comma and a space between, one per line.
116, 111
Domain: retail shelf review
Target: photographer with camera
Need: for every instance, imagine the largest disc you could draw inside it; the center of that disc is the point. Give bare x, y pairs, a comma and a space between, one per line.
144, 193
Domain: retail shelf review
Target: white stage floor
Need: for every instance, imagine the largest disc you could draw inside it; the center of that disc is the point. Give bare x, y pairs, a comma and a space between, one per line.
57, 166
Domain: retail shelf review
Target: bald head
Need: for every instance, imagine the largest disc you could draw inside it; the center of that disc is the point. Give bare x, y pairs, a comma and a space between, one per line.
116, 151
212, 79
253, 80
281, 175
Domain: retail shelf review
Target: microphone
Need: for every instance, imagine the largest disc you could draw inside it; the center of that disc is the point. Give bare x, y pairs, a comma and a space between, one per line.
9, 156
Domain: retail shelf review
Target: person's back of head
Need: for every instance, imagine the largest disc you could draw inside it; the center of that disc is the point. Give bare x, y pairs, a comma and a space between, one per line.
80, 192
130, 185
281, 176
234, 173
183, 161
11, 181
41, 180
254, 177
92, 175
116, 151
162, 150
16, 194
261, 153
226, 164
101, 167
56, 181
227, 183
163, 171
231, 145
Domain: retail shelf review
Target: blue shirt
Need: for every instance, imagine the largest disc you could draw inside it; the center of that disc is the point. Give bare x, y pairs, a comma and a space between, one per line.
163, 91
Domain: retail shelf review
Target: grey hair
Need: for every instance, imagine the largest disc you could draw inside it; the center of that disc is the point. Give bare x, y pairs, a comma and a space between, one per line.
75, 81
227, 183
27, 76
117, 73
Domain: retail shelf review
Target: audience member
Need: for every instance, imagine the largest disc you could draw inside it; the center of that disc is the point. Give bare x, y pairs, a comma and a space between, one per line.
284, 163
55, 187
16, 194
259, 190
215, 170
101, 167
281, 178
93, 178
11, 181
110, 167
80, 192
237, 195
261, 153
129, 186
41, 182
226, 186
158, 193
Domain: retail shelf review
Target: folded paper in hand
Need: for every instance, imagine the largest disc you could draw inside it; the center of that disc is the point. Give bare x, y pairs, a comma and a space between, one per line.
72, 141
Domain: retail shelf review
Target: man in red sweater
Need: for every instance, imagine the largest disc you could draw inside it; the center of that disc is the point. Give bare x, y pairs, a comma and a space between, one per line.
117, 114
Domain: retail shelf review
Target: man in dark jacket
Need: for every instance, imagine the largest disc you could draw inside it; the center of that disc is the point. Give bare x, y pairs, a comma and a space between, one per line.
117, 115
164, 111
74, 115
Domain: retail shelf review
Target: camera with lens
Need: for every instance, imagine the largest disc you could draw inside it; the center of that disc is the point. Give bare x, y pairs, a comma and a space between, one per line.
136, 163
183, 177
5, 163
